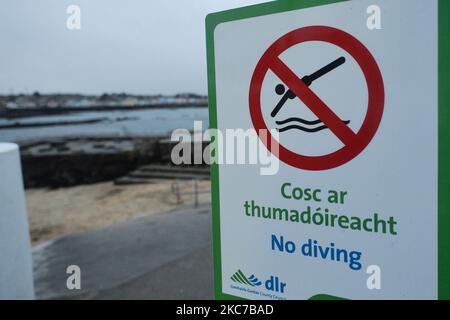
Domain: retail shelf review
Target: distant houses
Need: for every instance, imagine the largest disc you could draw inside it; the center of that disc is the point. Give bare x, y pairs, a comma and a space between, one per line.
37, 100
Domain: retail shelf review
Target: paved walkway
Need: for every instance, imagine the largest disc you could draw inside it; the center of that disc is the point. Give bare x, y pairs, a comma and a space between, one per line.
163, 256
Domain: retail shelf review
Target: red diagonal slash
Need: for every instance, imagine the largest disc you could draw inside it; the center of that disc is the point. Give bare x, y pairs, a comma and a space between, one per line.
313, 102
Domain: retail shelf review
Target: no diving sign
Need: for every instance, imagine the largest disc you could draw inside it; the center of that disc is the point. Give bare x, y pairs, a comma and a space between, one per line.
359, 118
354, 143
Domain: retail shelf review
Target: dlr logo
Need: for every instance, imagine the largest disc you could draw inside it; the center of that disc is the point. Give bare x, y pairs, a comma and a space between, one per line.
274, 284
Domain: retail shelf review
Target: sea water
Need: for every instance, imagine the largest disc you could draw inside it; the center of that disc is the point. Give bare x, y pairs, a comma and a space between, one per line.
147, 122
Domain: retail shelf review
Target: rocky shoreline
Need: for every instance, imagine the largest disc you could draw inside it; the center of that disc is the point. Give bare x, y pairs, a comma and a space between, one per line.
16, 124
36, 112
64, 162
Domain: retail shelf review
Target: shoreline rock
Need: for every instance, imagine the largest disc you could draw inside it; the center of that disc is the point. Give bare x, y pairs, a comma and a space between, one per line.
36, 112
73, 161
64, 162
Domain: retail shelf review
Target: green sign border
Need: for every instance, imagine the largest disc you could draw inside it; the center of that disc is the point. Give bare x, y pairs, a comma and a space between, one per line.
214, 19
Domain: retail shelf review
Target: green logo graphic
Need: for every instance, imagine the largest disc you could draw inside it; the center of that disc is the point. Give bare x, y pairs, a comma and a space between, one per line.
239, 277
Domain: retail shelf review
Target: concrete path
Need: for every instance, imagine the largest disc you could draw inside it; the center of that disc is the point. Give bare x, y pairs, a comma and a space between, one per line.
163, 256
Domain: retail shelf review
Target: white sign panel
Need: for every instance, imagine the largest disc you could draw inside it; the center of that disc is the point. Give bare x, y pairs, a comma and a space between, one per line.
346, 93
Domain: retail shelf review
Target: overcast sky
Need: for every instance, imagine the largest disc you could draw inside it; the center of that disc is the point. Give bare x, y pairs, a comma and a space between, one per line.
136, 46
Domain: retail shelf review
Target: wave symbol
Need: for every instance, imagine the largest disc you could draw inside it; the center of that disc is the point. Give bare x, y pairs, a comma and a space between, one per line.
305, 125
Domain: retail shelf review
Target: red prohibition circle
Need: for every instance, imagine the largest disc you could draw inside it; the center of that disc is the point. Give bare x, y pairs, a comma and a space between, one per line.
354, 143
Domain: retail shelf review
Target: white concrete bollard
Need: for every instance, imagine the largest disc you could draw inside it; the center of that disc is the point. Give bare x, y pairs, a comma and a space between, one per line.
16, 270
